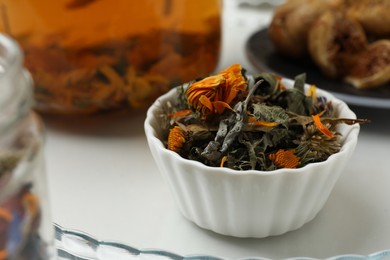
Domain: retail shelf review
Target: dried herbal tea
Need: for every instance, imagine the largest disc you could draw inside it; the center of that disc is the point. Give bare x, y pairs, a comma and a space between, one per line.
115, 75
228, 120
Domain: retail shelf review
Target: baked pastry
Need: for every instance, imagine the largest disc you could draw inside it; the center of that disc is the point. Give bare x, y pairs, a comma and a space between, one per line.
372, 67
334, 40
335, 34
290, 22
373, 15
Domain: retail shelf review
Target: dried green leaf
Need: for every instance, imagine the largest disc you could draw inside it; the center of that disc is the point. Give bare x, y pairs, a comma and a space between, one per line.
299, 82
267, 113
229, 129
269, 85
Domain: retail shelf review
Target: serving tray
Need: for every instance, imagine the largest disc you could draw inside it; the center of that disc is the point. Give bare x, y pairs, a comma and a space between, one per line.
77, 245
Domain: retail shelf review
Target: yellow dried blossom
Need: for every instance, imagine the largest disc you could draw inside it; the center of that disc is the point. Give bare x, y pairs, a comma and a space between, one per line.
176, 139
285, 158
212, 95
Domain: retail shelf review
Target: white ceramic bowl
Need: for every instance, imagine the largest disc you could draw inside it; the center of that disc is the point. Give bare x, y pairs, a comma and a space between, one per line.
249, 203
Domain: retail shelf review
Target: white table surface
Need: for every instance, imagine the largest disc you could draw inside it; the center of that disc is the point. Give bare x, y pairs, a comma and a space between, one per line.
103, 181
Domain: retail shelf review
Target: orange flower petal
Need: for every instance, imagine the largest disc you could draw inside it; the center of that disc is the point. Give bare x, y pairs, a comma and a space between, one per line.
203, 92
321, 127
252, 120
232, 94
176, 139
180, 113
264, 123
223, 161
285, 158
235, 82
220, 106
205, 95
205, 101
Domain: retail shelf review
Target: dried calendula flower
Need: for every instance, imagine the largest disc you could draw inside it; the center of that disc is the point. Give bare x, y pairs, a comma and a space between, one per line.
285, 158
212, 95
235, 81
314, 146
176, 139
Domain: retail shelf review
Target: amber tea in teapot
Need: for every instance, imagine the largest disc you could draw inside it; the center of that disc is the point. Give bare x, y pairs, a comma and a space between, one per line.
88, 56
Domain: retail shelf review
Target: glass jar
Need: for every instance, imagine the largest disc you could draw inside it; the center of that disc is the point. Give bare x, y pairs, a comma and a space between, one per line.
26, 230
87, 56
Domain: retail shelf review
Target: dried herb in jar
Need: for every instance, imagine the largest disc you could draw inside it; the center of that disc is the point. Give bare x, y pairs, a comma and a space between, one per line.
20, 207
227, 120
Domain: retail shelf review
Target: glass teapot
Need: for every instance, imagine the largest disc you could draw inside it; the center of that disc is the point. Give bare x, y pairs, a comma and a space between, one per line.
88, 56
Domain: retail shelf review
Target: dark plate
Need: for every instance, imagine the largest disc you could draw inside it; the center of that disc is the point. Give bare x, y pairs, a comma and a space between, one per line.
264, 57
